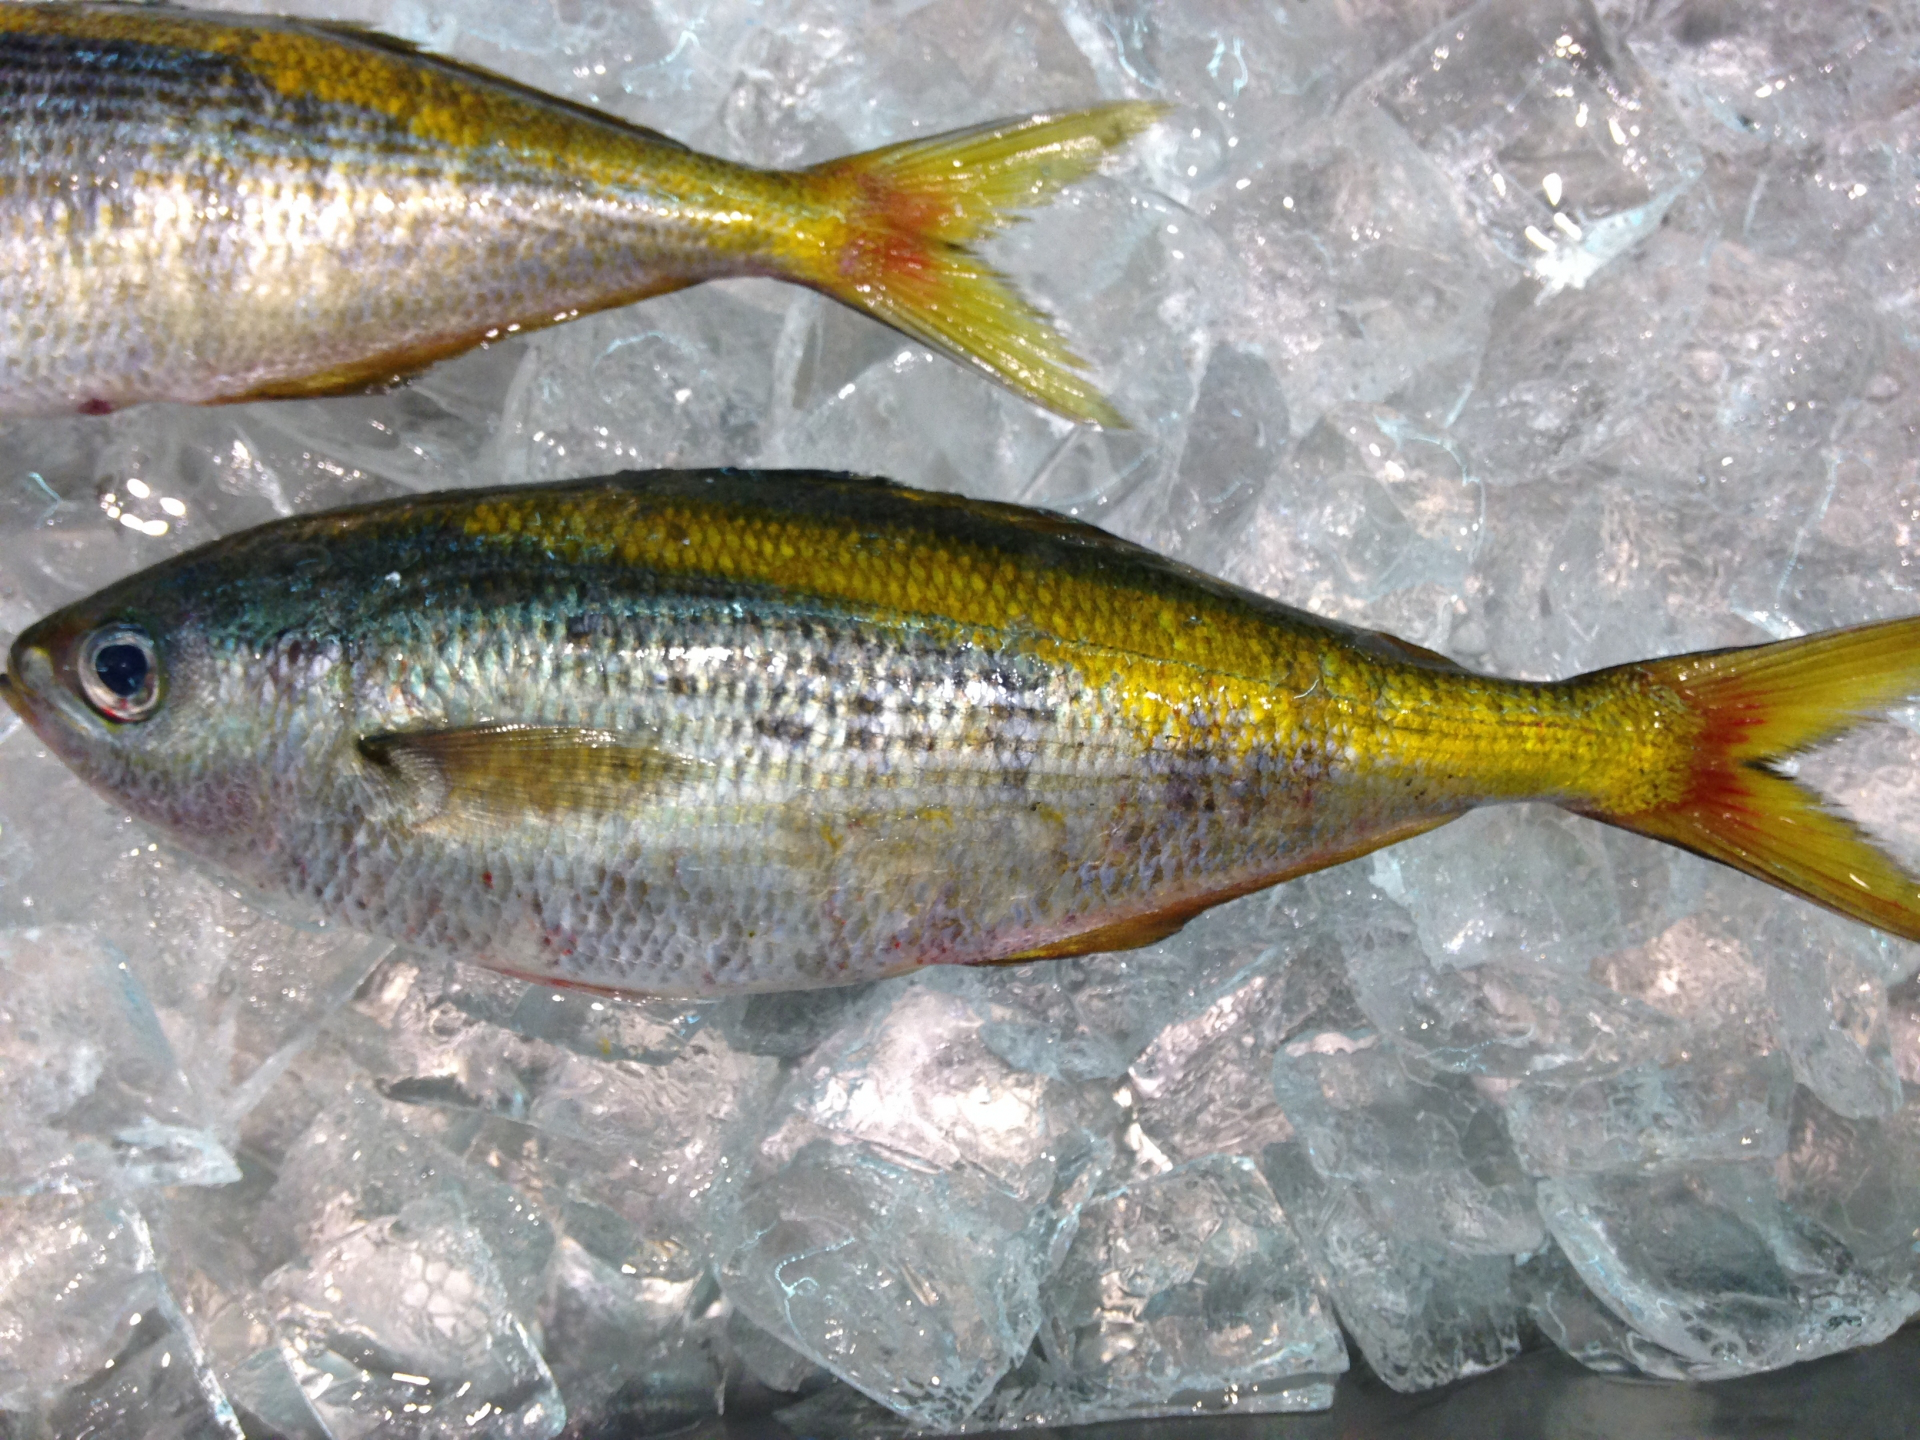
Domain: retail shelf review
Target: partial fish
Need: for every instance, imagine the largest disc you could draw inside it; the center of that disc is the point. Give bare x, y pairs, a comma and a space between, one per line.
706, 731
206, 207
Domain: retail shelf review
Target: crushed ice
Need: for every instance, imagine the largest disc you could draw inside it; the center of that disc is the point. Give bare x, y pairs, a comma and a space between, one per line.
1544, 333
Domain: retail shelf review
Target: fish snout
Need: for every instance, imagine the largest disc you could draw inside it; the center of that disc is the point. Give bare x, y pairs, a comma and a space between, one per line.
31, 684
14, 685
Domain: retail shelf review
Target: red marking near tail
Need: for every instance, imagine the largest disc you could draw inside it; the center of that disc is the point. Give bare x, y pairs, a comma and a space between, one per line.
1759, 706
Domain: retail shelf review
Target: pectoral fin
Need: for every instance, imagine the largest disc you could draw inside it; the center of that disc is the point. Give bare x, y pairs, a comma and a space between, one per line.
503, 774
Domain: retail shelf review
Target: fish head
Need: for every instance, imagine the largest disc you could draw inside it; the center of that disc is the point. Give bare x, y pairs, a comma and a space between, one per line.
130, 689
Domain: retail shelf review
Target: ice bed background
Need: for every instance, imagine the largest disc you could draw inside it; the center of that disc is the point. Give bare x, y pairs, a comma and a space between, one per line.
1546, 336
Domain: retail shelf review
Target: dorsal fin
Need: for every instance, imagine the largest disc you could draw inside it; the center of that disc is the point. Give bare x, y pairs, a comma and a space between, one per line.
1405, 652
361, 33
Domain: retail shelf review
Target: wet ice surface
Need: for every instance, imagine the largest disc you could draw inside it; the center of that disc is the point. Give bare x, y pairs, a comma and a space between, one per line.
1546, 335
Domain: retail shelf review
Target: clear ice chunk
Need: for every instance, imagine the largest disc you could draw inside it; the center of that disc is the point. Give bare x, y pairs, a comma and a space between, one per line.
1430, 1154
1422, 1314
1702, 1109
92, 1090
911, 1195
158, 1386
1205, 1085
1575, 1320
918, 1286
364, 1160
1090, 1017
1562, 147
771, 1362
694, 381
237, 991
1556, 898
1705, 971
1411, 1202
267, 1399
1797, 109
1493, 1017
635, 1352
1832, 1004
403, 1326
1742, 1267
915, 1072
1401, 308
91, 1340
1188, 1292
634, 1104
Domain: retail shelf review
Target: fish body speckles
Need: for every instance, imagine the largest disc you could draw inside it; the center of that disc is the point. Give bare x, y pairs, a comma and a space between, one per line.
694, 732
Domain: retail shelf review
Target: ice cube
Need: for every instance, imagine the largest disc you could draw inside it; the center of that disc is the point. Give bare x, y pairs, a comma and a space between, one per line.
1088, 1018
1399, 309
914, 1072
605, 395
92, 1088
1519, 882
638, 1102
1573, 1318
364, 1160
1710, 1265
638, 1352
1797, 112
911, 1166
1429, 1152
916, 1284
1205, 1085
1432, 970
238, 991
1709, 1107
267, 1399
1559, 143
1833, 1011
1187, 1292
769, 1360
403, 1326
94, 1343
1422, 1314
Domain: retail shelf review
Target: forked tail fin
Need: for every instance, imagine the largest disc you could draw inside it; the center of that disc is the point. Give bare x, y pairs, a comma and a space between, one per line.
1756, 707
907, 215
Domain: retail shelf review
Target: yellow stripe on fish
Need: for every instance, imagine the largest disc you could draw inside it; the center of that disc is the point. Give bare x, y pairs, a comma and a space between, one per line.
1183, 664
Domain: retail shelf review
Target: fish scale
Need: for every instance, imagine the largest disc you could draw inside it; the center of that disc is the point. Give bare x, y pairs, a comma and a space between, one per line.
695, 732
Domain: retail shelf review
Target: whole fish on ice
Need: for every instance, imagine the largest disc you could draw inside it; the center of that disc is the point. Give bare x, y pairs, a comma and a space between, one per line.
205, 207
698, 731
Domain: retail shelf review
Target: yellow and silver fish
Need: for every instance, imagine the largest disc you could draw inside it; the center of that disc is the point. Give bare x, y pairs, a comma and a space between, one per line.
699, 731
204, 207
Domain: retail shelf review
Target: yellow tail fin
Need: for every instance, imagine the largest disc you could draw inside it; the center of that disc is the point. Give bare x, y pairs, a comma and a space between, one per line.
907, 214
1755, 708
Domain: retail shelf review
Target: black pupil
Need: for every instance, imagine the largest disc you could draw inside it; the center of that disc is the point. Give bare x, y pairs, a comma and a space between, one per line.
122, 669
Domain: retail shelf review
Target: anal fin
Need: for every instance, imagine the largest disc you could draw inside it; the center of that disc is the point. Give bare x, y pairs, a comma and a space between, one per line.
1130, 932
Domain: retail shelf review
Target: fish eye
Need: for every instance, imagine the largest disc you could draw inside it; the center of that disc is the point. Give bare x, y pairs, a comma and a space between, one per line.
120, 672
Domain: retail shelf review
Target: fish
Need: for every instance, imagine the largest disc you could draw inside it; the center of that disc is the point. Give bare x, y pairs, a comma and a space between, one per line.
203, 207
709, 731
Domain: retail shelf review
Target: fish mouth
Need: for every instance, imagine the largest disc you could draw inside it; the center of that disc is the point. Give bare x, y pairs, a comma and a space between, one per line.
31, 689
14, 694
